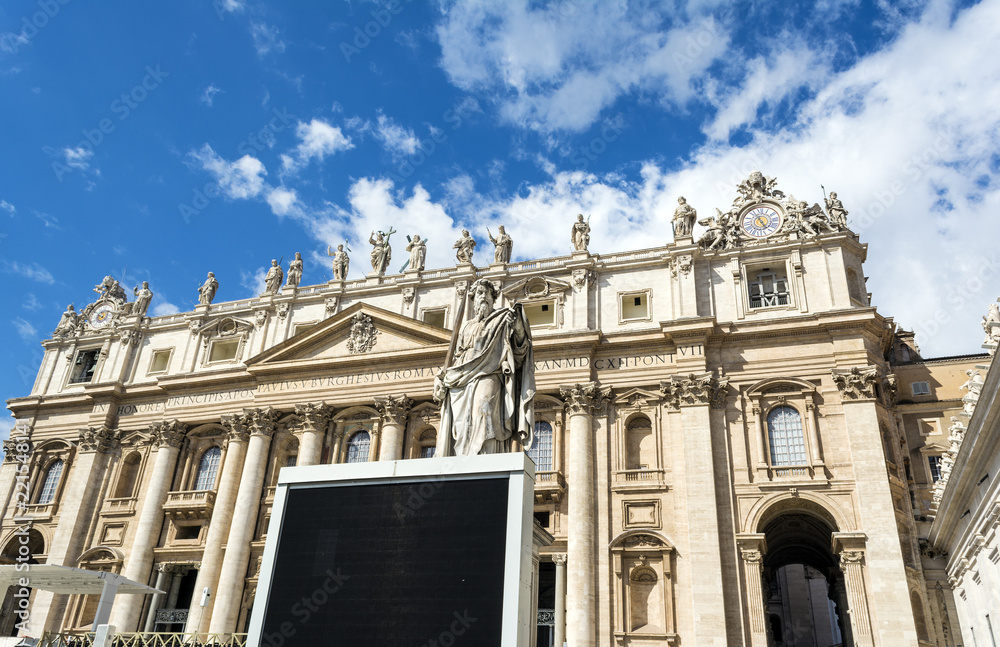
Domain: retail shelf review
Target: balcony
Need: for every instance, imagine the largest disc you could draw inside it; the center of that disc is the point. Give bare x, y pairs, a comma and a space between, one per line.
190, 504
35, 511
118, 507
638, 479
549, 486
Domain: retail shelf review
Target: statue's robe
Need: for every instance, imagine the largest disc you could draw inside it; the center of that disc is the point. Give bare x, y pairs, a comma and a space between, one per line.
490, 387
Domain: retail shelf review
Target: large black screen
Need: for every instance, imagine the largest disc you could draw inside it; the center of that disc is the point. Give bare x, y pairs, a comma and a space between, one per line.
390, 565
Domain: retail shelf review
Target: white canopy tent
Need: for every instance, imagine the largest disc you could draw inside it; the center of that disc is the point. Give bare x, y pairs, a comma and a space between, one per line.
69, 580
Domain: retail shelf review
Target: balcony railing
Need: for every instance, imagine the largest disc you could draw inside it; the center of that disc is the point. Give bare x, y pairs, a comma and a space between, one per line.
171, 616
114, 507
792, 472
549, 486
634, 476
145, 640
190, 504
36, 511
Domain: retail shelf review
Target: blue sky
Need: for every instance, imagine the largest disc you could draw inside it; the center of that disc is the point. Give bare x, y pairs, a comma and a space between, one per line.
160, 141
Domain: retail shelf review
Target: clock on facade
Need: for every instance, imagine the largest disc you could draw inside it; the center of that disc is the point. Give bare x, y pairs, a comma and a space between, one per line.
761, 221
102, 315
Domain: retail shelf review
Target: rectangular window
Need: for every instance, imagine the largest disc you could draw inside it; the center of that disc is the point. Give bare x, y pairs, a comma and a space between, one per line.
935, 465
427, 452
635, 306
223, 351
84, 366
768, 288
187, 533
920, 388
540, 313
160, 361
434, 317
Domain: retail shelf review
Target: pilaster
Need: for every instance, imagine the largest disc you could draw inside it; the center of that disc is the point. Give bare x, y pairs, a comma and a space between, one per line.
753, 547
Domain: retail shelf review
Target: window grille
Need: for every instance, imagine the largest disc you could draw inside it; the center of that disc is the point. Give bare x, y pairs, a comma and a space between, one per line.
541, 448
357, 447
784, 433
207, 468
51, 482
769, 290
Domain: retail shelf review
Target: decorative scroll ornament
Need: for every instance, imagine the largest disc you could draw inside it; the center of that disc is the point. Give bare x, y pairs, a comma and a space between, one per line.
851, 557
393, 409
857, 383
585, 398
99, 439
168, 434
363, 334
692, 390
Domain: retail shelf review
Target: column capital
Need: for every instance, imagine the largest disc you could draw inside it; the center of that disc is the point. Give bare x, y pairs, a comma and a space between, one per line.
393, 409
584, 399
559, 558
169, 433
260, 422
314, 415
236, 428
99, 439
848, 541
857, 382
695, 389
753, 546
10, 453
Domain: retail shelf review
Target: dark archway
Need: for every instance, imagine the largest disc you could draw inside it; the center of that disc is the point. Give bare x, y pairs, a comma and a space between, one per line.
805, 588
20, 549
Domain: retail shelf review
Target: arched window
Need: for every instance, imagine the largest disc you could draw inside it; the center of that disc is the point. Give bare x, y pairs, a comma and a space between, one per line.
428, 440
207, 468
128, 476
541, 448
784, 433
918, 616
51, 482
640, 448
357, 447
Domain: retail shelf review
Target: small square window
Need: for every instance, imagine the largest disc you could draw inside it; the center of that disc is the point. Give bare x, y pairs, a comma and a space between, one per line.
187, 533
768, 287
223, 351
920, 388
635, 306
160, 361
434, 317
540, 314
84, 366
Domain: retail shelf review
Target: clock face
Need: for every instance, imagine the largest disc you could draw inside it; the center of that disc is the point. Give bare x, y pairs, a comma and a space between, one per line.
102, 315
761, 221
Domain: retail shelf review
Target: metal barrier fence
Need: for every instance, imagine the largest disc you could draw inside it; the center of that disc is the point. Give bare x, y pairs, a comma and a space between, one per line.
146, 640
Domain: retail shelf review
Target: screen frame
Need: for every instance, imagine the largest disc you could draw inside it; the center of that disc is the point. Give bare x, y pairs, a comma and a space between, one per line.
517, 467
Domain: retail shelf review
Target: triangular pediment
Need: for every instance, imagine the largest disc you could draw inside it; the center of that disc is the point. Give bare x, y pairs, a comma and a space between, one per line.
360, 332
637, 398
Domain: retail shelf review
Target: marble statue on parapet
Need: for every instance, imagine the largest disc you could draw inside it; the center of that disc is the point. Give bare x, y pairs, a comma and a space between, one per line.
418, 252
488, 385
381, 250
503, 245
580, 234
142, 299
718, 234
464, 247
112, 289
684, 218
835, 208
67, 323
341, 262
208, 289
756, 187
275, 275
805, 219
991, 324
295, 271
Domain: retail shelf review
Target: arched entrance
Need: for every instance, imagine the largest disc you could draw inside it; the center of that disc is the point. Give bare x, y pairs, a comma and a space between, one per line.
20, 549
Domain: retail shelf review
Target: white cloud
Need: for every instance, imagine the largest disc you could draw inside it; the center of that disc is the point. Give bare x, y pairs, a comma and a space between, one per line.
231, 5
8, 207
34, 271
253, 281
266, 39
25, 329
11, 42
318, 139
164, 308
31, 303
78, 158
282, 201
208, 96
241, 179
398, 141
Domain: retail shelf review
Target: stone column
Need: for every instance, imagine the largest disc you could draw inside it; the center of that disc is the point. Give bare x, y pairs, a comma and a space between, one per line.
229, 596
168, 436
752, 549
77, 505
560, 611
315, 416
220, 523
338, 442
157, 601
581, 402
851, 547
394, 411
694, 394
